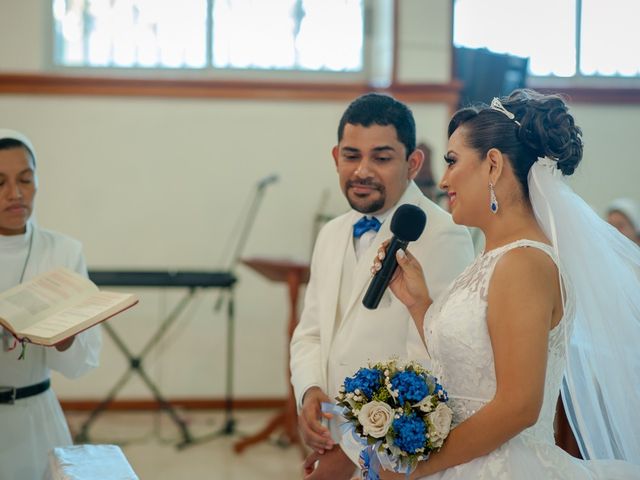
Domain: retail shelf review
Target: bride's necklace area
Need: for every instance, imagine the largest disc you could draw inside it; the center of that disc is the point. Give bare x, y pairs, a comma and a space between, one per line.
8, 341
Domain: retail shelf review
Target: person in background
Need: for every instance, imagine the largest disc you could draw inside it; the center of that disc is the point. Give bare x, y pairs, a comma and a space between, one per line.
624, 214
377, 160
424, 178
30, 414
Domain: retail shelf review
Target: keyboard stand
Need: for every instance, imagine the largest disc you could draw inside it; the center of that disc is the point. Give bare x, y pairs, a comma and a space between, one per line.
192, 281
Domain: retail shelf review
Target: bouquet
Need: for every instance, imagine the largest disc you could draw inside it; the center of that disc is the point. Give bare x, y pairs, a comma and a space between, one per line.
399, 412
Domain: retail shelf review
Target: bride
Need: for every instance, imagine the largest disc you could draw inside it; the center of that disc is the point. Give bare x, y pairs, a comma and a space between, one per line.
552, 303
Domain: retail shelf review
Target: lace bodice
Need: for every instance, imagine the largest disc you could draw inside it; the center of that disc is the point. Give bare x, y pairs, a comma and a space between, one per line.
458, 340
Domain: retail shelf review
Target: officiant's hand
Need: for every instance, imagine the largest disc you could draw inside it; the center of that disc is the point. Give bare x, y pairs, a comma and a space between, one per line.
65, 344
314, 433
408, 283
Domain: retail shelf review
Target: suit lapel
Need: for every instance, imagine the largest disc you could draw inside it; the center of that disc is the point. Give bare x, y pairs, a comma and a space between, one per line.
334, 272
362, 275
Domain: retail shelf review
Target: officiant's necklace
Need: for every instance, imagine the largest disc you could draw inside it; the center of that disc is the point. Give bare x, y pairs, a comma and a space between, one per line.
26, 260
5, 334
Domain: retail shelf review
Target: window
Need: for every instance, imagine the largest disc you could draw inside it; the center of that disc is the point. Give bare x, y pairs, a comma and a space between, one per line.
314, 35
565, 38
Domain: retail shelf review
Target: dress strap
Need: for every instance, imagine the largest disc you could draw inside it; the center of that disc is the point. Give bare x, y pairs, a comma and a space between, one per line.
524, 242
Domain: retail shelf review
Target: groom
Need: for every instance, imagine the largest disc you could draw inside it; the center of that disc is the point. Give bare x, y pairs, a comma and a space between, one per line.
377, 160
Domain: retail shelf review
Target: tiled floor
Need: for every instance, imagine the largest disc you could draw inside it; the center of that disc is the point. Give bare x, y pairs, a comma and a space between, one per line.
149, 440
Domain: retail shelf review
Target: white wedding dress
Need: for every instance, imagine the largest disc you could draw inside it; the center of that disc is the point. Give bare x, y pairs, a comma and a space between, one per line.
459, 343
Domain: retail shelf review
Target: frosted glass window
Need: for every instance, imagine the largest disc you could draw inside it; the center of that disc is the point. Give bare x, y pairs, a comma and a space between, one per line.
545, 32
321, 35
131, 33
288, 34
610, 40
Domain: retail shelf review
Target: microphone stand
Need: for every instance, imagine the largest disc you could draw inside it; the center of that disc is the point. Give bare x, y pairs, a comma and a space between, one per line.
228, 427
246, 229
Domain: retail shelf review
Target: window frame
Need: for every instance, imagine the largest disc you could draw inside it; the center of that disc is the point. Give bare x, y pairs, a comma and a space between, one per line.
66, 82
578, 81
210, 72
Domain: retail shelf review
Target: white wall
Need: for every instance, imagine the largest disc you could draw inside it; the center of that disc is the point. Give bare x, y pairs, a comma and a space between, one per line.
161, 183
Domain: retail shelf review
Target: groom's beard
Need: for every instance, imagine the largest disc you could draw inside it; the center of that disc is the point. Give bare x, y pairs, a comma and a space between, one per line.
364, 204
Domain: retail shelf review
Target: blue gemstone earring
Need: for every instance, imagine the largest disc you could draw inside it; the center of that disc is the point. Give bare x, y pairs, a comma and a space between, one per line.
493, 205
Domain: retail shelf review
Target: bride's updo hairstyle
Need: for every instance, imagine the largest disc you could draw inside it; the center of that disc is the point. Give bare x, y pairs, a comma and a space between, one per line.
524, 126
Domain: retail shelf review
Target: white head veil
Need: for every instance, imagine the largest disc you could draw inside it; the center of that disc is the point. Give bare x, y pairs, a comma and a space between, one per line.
6, 134
601, 271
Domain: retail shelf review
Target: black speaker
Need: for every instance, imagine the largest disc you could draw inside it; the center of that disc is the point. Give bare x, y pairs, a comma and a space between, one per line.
485, 74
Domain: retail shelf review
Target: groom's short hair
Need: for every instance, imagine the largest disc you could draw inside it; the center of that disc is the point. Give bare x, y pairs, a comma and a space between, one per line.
380, 109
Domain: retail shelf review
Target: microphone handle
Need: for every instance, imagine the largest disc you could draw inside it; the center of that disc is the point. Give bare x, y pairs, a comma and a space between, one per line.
381, 279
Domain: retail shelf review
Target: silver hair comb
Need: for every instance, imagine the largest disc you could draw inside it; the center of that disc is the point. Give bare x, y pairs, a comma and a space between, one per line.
496, 104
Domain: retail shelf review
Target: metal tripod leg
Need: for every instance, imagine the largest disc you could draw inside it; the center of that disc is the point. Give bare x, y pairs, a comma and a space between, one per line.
135, 365
228, 427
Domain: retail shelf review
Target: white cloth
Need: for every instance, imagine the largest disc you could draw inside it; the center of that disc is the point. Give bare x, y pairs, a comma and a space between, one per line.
601, 391
363, 242
89, 462
458, 338
34, 425
6, 133
318, 349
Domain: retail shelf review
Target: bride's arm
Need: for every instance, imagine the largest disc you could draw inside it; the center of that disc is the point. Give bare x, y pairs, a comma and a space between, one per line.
522, 303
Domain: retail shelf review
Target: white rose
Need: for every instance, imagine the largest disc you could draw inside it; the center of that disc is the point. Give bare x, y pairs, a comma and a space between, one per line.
375, 418
425, 404
440, 424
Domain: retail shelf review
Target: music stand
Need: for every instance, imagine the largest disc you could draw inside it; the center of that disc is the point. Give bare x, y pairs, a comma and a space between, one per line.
294, 274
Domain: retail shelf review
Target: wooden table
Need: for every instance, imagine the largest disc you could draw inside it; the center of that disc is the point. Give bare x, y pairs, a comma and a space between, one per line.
294, 274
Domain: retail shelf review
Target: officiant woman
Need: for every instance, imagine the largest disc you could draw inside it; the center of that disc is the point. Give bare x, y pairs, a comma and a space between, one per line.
30, 414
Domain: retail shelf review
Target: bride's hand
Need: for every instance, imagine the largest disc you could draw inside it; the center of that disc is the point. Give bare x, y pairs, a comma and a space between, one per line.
386, 475
408, 283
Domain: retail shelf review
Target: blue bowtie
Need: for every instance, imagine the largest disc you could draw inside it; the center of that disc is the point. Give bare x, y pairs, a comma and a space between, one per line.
364, 225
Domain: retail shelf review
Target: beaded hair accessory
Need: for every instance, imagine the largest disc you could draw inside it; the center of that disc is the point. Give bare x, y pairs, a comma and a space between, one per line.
496, 104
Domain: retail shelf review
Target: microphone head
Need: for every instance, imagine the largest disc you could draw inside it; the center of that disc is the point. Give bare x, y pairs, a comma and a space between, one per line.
408, 222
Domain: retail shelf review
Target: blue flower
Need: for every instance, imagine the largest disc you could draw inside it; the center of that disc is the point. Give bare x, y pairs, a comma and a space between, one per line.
367, 380
410, 433
441, 393
411, 387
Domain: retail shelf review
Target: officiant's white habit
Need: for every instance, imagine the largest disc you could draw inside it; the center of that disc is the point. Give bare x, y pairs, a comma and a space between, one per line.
34, 425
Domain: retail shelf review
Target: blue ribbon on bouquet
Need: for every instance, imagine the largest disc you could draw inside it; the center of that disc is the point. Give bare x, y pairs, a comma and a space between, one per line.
370, 464
371, 459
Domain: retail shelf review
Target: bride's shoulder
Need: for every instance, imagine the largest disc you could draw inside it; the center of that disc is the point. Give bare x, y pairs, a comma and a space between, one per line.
526, 266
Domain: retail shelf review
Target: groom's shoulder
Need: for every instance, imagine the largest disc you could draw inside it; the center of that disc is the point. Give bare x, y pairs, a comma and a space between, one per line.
437, 217
337, 224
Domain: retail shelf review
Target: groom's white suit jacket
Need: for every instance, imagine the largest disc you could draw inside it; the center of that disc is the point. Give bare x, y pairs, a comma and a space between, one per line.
326, 346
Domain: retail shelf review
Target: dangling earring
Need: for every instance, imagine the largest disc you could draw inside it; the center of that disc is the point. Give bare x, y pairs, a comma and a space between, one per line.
493, 204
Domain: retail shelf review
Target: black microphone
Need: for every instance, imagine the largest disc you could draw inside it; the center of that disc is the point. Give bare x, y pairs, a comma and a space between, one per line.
407, 225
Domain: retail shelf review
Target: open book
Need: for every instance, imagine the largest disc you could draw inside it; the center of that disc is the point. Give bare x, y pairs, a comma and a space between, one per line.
56, 305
